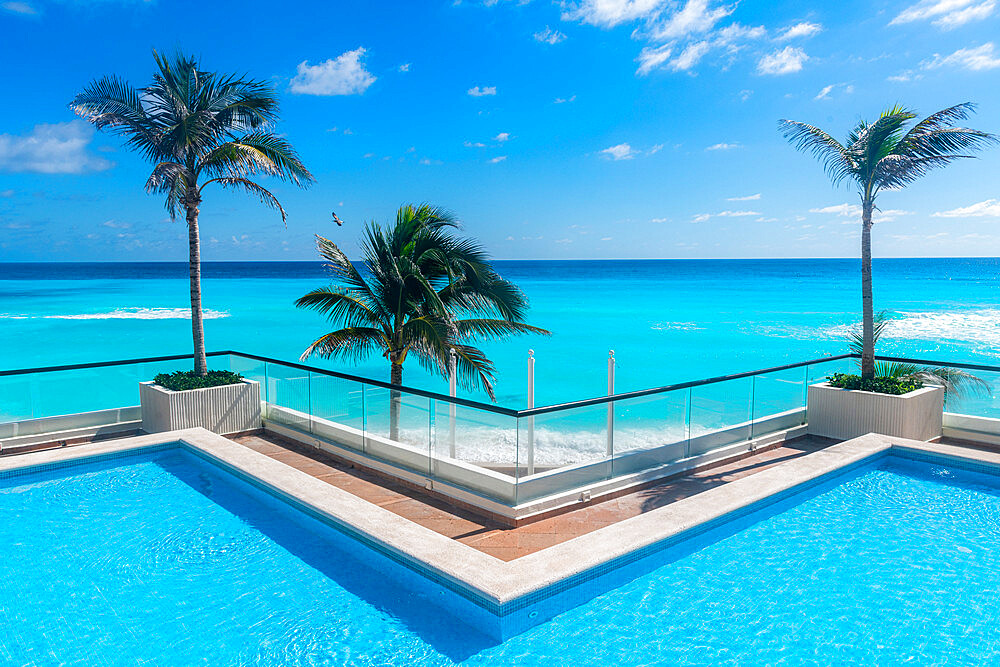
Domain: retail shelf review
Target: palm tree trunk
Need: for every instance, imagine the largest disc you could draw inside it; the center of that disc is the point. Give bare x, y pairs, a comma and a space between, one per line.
395, 401
194, 272
867, 308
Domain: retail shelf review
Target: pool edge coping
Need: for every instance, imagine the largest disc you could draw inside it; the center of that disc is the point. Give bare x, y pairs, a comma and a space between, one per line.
479, 575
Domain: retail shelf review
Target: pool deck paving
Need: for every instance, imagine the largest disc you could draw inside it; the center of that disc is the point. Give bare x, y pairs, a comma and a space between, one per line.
503, 542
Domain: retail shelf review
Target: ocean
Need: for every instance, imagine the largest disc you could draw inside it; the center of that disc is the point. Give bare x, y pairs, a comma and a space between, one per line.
666, 320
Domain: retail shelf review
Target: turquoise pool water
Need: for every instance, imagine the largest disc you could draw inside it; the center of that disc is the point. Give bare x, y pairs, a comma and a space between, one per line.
165, 559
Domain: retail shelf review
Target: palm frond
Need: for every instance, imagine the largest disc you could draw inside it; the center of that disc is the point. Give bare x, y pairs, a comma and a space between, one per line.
263, 194
838, 162
350, 344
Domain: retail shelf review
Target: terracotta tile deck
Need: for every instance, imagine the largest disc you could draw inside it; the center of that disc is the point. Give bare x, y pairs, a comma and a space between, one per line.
500, 541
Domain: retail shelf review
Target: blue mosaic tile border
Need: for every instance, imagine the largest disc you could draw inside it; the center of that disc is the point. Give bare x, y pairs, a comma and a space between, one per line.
961, 463
88, 460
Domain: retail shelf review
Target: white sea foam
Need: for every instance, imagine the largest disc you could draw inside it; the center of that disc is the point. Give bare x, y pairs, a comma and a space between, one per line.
676, 326
124, 314
974, 326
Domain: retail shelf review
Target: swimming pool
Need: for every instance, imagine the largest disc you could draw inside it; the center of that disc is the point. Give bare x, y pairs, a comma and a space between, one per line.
163, 557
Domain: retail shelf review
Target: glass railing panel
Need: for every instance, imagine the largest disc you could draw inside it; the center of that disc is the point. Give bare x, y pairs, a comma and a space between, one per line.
559, 451
978, 398
475, 449
397, 428
17, 394
650, 431
779, 400
288, 399
251, 369
337, 410
720, 414
821, 370
84, 390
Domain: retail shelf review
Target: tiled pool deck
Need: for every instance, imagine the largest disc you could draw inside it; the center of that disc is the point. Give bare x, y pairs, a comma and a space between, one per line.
500, 541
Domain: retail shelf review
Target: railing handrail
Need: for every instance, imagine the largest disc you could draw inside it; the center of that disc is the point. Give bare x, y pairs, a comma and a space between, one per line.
487, 407
598, 400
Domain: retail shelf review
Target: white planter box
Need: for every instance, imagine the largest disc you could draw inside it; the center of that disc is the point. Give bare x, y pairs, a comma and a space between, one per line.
844, 414
231, 408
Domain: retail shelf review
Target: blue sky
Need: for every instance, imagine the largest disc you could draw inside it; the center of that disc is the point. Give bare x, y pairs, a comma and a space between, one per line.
574, 129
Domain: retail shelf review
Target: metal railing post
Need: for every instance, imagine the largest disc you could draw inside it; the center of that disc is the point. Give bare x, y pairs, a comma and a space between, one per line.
452, 391
611, 405
530, 462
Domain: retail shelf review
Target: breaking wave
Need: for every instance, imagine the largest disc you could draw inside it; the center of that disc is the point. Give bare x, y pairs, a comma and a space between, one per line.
124, 314
976, 326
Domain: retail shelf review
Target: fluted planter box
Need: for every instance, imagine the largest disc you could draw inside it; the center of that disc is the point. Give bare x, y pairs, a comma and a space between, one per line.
846, 413
231, 408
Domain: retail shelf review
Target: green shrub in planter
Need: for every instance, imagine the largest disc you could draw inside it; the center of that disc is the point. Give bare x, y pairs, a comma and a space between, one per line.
880, 385
185, 380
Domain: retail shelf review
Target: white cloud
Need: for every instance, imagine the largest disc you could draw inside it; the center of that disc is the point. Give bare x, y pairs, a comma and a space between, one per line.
824, 94
607, 238
660, 220
19, 8
59, 148
499, 158
695, 17
974, 59
502, 137
652, 57
704, 217
655, 149
804, 29
690, 56
723, 147
854, 211
619, 152
745, 94
609, 13
746, 198
482, 92
984, 209
114, 224
549, 36
343, 75
405, 67
474, 144
946, 14
564, 100
785, 61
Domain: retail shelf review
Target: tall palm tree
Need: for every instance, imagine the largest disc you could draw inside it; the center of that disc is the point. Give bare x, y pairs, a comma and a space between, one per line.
424, 292
197, 128
885, 155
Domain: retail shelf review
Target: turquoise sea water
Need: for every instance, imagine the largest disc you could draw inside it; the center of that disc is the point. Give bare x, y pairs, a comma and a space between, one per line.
667, 320
164, 559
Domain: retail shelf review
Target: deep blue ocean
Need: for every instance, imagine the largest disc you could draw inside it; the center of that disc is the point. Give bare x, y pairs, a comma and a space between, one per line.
666, 320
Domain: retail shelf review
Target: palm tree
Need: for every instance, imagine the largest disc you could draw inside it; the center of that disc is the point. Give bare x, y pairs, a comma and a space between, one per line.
957, 383
885, 155
197, 128
424, 292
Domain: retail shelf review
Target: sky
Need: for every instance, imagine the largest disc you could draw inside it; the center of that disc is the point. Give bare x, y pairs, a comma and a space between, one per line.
570, 129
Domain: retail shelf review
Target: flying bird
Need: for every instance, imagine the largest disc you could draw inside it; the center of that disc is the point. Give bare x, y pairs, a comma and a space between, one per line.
340, 223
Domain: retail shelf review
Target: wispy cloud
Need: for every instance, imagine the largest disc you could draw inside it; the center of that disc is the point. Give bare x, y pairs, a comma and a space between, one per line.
854, 211
482, 91
343, 75
549, 36
619, 152
704, 217
59, 148
984, 209
499, 158
405, 67
824, 94
22, 8
974, 59
786, 61
723, 147
798, 31
946, 14
564, 100
754, 197
502, 137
